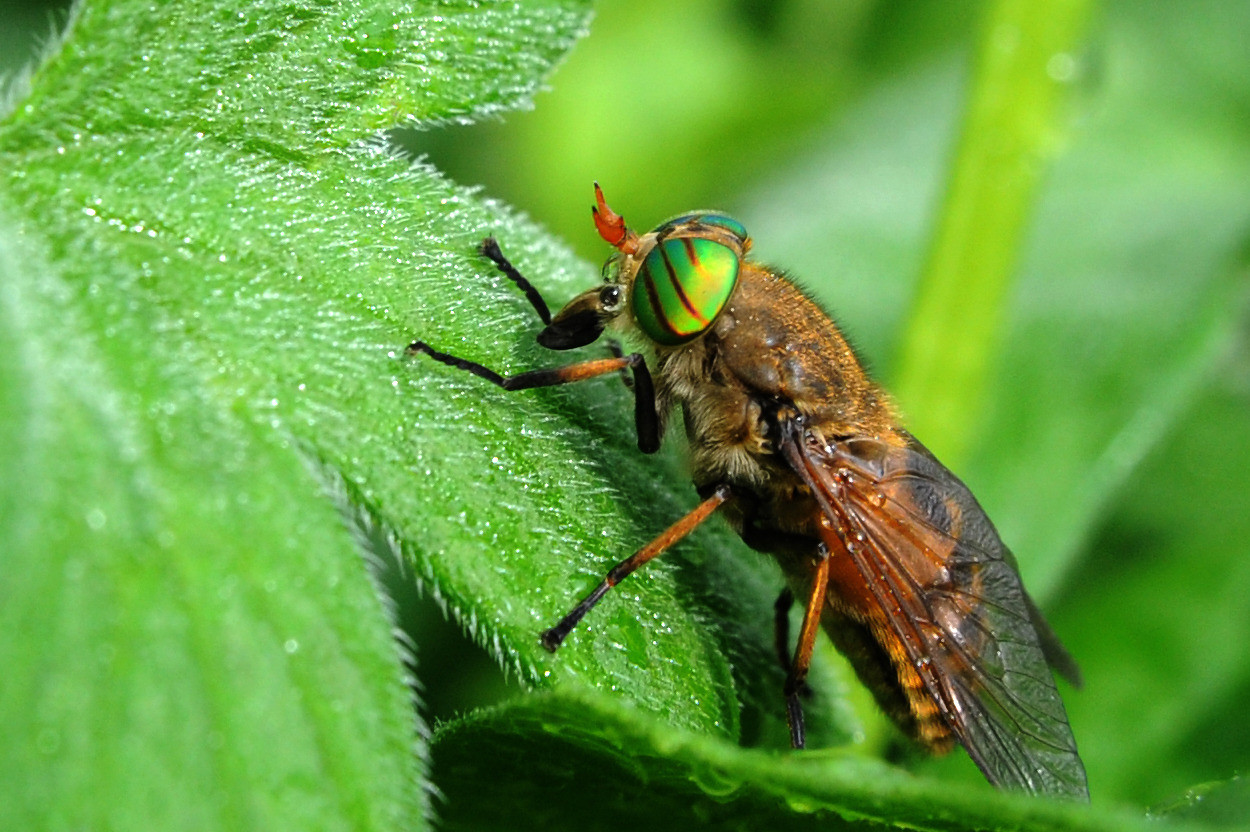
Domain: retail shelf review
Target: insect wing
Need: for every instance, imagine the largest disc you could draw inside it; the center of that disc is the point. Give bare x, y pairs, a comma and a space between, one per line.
936, 567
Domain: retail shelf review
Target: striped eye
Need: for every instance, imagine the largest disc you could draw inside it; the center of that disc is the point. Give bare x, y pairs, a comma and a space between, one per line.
708, 219
682, 285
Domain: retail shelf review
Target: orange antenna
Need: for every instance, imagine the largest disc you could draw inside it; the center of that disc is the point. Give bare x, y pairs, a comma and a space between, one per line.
611, 225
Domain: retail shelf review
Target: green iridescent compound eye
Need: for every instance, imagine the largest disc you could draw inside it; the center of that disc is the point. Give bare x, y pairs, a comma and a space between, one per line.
681, 287
704, 218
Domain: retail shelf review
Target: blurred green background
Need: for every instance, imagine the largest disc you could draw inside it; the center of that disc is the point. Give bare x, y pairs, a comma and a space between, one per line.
1115, 453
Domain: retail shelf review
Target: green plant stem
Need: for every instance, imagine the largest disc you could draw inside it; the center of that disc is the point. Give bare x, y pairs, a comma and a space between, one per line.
1014, 123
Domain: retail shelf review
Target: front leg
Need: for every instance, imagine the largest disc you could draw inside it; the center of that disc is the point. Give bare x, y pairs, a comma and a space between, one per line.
490, 249
579, 323
646, 418
614, 347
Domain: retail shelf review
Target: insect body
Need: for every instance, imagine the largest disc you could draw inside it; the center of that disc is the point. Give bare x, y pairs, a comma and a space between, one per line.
802, 453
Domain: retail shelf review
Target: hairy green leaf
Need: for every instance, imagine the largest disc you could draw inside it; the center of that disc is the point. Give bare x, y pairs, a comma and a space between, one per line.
190, 641
599, 766
208, 282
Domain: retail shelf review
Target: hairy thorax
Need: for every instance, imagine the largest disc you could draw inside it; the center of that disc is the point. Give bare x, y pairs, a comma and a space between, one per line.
771, 349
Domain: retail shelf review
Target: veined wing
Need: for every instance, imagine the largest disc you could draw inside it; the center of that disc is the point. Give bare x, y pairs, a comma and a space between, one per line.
936, 568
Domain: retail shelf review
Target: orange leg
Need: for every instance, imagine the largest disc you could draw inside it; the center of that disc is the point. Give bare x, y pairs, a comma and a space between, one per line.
803, 652
646, 418
555, 636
